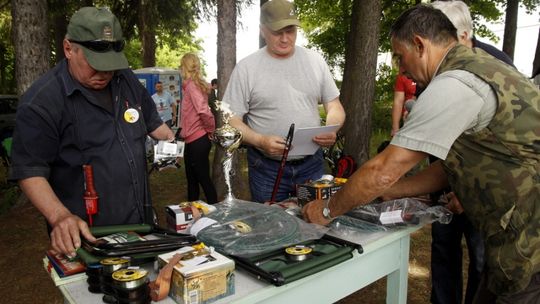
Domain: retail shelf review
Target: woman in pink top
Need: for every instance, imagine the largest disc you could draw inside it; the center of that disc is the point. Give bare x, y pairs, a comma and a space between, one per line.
197, 124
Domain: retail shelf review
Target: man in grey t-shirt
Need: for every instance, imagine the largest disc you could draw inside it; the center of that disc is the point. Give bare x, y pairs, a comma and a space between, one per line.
274, 87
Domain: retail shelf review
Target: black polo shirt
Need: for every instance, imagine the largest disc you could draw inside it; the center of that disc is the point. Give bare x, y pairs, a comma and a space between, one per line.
61, 126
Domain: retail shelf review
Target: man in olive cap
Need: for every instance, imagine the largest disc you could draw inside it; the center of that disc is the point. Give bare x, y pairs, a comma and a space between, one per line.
274, 87
90, 109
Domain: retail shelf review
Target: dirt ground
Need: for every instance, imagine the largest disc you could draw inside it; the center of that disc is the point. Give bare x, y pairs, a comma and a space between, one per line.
23, 243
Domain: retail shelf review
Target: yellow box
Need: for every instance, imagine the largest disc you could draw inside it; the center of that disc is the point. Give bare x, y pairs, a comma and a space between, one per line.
207, 282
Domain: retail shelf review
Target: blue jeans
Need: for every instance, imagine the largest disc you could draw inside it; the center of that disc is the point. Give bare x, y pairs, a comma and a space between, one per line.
263, 172
446, 261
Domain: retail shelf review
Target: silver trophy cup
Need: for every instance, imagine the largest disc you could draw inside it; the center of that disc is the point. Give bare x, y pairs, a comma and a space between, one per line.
229, 138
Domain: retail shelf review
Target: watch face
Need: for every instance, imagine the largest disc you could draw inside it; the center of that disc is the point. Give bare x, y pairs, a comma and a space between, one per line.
326, 212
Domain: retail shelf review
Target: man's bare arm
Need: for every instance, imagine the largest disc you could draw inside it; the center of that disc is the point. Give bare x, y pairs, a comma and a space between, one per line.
66, 227
162, 132
367, 183
427, 181
335, 115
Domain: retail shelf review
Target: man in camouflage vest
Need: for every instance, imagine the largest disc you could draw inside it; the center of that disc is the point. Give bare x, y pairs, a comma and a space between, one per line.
482, 119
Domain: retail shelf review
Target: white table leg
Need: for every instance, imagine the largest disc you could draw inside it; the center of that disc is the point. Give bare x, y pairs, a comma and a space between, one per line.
396, 284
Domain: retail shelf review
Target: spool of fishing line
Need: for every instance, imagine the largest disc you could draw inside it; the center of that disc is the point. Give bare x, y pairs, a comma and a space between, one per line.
131, 286
298, 252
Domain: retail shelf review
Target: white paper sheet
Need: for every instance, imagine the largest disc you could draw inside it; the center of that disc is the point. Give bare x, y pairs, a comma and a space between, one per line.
303, 144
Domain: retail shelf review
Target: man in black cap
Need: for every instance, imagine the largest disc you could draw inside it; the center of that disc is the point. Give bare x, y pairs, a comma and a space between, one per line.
88, 110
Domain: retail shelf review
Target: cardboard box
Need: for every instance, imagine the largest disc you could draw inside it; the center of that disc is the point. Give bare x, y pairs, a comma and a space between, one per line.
179, 217
317, 190
205, 282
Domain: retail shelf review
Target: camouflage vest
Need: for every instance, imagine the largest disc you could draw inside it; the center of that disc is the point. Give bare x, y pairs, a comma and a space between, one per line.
495, 172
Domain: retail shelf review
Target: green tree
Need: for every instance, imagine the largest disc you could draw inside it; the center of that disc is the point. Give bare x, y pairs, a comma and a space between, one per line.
226, 60
358, 88
156, 23
327, 24
511, 20
59, 13
7, 60
225, 12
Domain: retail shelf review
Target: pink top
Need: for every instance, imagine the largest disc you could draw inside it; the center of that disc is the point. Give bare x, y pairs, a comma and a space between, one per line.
197, 120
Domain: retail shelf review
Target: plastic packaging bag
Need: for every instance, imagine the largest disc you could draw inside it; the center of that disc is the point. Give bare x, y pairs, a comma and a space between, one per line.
394, 213
246, 229
166, 154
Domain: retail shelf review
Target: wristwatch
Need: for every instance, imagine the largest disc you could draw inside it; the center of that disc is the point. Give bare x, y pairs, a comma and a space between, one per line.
326, 210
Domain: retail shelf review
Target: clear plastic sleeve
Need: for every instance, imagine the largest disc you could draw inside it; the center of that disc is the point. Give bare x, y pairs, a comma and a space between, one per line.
394, 213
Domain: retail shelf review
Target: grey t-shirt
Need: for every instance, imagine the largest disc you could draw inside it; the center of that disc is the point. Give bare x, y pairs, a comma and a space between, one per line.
273, 93
453, 103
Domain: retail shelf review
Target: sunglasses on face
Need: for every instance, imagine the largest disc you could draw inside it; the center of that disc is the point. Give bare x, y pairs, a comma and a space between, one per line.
101, 46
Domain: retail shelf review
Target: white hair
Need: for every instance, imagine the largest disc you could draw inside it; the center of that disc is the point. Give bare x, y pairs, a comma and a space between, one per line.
458, 13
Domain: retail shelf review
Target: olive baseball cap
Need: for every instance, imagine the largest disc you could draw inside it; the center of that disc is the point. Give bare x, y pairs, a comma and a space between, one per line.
90, 26
277, 14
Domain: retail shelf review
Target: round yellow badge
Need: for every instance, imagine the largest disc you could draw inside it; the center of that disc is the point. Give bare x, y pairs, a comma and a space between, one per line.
131, 115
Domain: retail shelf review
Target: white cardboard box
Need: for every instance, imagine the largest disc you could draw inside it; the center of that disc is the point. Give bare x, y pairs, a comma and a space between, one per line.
200, 279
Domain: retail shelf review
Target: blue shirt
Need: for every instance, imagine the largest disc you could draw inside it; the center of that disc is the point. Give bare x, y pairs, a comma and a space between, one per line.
164, 104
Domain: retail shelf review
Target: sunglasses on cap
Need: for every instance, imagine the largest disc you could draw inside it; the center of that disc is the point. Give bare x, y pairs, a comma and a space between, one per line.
101, 46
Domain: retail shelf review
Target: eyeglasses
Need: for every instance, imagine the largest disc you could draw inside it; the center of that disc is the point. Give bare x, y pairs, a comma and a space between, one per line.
101, 46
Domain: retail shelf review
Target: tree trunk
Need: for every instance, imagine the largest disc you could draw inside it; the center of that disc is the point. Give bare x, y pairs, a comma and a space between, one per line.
3, 69
510, 27
536, 63
147, 32
226, 60
60, 23
262, 43
358, 88
31, 41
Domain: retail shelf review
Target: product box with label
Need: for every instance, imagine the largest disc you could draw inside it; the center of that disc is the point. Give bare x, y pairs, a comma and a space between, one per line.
200, 278
179, 217
317, 190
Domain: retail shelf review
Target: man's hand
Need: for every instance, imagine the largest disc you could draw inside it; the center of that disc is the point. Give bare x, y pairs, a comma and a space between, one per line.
313, 213
66, 234
162, 132
325, 139
66, 227
272, 145
454, 205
